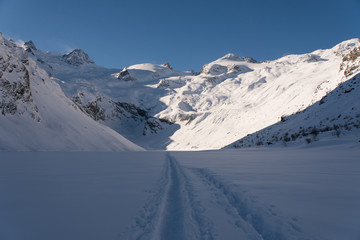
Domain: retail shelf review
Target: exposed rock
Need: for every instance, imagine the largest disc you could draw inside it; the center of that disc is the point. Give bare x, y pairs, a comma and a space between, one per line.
125, 112
214, 69
77, 58
15, 91
249, 60
94, 111
351, 62
125, 75
30, 47
166, 64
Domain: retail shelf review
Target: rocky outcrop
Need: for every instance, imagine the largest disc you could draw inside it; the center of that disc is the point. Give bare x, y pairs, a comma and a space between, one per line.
120, 112
125, 75
77, 57
249, 60
15, 74
30, 47
351, 62
166, 64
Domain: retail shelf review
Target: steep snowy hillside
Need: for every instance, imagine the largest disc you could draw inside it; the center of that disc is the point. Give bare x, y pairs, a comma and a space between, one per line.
233, 97
335, 116
36, 115
120, 99
161, 108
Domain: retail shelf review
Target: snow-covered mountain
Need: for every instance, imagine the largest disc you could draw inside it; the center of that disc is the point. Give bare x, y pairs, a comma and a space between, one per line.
158, 107
36, 115
337, 115
120, 99
232, 98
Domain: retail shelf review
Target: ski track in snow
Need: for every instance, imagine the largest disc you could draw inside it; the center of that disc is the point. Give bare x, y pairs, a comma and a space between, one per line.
172, 224
174, 212
252, 222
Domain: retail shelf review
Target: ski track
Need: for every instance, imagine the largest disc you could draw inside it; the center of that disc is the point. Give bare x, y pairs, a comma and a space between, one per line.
145, 223
173, 211
172, 225
255, 222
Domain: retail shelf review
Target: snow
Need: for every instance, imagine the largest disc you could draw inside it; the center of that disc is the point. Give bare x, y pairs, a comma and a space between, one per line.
240, 104
73, 195
232, 96
148, 72
301, 192
336, 117
309, 193
293, 193
36, 114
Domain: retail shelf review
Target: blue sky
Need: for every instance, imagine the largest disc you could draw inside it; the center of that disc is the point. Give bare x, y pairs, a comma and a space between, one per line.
185, 33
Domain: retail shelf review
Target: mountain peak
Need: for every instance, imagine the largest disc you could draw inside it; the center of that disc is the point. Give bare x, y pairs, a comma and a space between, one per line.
77, 57
30, 47
166, 64
231, 56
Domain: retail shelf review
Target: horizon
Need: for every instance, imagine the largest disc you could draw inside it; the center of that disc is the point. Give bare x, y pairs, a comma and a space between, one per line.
20, 42
187, 34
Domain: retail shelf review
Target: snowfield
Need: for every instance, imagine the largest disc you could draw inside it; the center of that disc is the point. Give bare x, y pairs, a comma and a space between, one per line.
293, 193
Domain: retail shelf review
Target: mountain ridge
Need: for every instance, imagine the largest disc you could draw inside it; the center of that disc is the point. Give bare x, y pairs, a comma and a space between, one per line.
159, 107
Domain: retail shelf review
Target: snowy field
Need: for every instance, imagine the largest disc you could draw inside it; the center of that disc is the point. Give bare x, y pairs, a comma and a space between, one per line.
308, 193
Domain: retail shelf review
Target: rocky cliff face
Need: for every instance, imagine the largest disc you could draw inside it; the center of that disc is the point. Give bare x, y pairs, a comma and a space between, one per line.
121, 115
16, 69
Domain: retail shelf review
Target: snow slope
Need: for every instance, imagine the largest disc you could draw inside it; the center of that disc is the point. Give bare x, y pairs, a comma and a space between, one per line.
334, 119
266, 194
101, 94
158, 107
36, 115
232, 98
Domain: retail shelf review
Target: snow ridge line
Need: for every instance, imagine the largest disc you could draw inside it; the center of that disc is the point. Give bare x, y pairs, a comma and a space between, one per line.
258, 222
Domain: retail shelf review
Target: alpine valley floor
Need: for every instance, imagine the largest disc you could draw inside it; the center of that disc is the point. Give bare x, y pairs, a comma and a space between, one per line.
268, 193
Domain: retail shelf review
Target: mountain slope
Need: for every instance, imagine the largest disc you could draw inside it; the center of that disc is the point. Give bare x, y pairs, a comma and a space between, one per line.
36, 115
232, 98
161, 108
334, 116
127, 106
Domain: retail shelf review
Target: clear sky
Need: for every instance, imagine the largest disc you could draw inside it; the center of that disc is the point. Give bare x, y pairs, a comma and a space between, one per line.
186, 33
